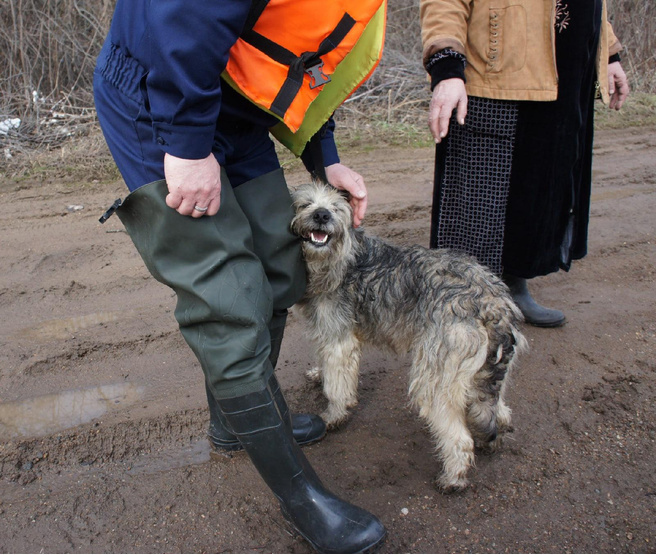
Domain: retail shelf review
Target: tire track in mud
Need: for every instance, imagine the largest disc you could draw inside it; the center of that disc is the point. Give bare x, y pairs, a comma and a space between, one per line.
24, 460
74, 355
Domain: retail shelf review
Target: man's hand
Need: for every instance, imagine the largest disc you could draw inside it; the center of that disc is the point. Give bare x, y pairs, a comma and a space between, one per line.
448, 95
341, 177
194, 185
618, 85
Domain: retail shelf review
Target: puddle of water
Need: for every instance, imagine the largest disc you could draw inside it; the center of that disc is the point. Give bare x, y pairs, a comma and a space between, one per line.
196, 453
52, 413
64, 328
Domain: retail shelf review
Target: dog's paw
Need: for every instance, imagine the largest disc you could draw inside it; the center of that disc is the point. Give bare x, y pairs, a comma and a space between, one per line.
314, 375
334, 417
505, 428
489, 447
448, 486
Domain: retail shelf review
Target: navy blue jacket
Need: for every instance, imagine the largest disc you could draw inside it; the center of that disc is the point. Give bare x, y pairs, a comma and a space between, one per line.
184, 46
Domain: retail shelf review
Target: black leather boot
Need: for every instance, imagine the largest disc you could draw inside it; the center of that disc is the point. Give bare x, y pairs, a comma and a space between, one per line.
329, 524
534, 313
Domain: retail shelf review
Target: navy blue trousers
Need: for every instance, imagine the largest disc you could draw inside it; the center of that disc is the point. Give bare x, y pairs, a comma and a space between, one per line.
242, 147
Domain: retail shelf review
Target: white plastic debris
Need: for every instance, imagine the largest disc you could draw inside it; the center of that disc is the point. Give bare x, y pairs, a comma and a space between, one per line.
8, 124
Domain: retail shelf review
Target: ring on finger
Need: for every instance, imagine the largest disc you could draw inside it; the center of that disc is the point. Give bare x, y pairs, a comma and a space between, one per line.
201, 208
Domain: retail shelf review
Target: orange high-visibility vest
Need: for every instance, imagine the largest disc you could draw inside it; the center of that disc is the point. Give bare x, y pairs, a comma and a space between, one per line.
289, 50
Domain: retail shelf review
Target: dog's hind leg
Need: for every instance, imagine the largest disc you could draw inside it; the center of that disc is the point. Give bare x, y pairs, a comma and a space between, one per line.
503, 412
441, 387
488, 415
339, 360
503, 422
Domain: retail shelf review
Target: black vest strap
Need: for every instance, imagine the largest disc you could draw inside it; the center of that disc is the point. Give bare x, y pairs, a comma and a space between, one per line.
257, 7
307, 62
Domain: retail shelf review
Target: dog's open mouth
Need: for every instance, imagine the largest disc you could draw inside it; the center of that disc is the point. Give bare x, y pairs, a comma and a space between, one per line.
318, 238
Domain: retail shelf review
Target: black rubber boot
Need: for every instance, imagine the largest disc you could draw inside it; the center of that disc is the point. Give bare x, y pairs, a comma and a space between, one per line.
534, 314
306, 428
329, 524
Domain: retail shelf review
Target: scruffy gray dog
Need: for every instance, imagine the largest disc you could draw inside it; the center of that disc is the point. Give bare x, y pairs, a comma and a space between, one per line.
455, 318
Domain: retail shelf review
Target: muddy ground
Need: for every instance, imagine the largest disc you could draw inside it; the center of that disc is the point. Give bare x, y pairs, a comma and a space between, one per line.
102, 413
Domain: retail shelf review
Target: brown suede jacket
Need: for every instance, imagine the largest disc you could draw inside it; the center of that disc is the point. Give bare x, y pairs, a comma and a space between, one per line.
509, 45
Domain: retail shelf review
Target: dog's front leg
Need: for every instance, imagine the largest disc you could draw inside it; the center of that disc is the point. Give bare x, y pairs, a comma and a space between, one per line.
339, 359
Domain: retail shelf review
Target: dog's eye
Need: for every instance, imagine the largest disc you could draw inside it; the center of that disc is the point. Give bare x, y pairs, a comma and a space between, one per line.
303, 206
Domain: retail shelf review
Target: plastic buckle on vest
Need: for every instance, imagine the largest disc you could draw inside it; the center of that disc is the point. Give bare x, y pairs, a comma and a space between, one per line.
317, 76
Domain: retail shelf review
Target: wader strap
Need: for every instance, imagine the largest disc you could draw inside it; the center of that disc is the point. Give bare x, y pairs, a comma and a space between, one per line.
308, 62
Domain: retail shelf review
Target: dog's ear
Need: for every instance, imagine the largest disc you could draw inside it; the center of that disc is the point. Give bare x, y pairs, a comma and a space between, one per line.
344, 194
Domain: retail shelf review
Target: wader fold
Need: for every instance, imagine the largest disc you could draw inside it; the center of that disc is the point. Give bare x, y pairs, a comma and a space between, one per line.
267, 205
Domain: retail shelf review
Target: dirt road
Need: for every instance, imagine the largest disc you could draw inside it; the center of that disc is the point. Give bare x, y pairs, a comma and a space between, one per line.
102, 414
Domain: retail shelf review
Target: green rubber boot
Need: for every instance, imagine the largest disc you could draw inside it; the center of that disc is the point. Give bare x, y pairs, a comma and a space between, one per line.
328, 523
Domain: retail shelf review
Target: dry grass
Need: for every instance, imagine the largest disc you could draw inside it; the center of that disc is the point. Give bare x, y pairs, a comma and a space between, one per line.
48, 50
634, 22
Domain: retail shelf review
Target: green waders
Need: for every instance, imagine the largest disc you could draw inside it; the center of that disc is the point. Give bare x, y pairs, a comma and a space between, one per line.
266, 203
225, 304
224, 299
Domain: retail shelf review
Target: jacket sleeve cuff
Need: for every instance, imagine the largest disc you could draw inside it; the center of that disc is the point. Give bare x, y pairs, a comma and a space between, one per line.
329, 150
184, 141
446, 64
614, 58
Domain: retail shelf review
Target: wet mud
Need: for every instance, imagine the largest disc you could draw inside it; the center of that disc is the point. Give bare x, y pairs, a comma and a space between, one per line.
102, 414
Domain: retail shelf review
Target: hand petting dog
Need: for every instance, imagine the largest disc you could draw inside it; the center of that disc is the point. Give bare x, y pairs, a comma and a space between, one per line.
345, 179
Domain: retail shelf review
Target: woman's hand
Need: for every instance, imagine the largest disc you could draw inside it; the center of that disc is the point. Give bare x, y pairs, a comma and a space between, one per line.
448, 95
344, 178
194, 185
618, 85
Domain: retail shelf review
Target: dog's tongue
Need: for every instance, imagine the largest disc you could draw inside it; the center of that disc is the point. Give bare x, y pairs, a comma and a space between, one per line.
318, 236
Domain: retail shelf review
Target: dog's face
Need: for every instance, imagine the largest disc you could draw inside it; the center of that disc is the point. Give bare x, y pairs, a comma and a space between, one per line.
323, 218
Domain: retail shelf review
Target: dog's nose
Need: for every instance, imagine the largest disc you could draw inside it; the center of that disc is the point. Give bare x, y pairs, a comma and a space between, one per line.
321, 216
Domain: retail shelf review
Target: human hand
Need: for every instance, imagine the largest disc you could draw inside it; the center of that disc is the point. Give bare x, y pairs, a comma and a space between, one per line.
344, 178
448, 95
193, 184
618, 85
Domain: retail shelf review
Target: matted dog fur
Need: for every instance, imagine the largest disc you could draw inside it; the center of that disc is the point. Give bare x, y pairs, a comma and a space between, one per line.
455, 317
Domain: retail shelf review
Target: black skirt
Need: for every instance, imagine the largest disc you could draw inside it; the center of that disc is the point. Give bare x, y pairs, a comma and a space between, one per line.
512, 186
